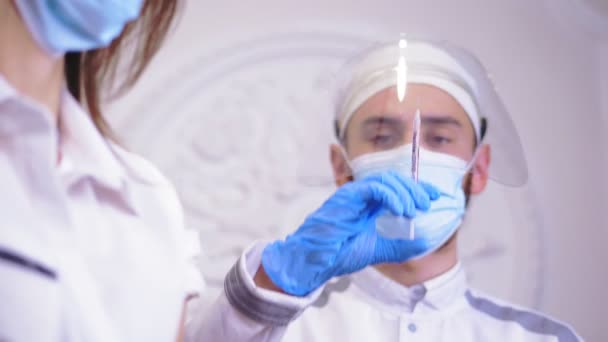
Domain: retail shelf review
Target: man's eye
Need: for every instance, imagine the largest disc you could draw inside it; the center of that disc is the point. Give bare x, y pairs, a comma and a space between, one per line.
383, 140
438, 140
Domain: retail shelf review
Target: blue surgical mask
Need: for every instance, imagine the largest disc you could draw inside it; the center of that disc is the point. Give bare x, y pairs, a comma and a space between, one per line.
59, 26
444, 171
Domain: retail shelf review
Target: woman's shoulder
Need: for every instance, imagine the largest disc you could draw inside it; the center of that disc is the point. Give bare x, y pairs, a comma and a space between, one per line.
150, 181
137, 167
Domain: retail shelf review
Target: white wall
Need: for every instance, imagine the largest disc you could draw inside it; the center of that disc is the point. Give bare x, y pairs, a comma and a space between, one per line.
553, 78
603, 94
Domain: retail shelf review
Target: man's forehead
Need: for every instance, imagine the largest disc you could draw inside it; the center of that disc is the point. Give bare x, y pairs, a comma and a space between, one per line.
431, 101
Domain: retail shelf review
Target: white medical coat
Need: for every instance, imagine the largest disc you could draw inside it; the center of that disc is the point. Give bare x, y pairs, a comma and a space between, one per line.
92, 248
367, 306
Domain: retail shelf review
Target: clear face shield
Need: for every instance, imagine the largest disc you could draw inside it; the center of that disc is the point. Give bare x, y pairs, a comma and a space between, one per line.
381, 90
429, 112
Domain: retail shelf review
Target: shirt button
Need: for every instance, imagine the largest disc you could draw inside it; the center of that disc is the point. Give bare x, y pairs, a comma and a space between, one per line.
412, 327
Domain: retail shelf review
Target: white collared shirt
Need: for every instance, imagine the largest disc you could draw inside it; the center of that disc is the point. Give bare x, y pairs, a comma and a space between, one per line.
367, 306
93, 247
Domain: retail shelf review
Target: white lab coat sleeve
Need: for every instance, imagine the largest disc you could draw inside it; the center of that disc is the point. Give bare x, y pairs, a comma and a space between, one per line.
245, 312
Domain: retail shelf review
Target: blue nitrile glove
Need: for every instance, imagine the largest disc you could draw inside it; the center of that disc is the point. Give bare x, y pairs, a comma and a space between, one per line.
340, 237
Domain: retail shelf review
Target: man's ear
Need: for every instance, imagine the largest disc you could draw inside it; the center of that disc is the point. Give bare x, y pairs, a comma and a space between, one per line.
480, 170
339, 165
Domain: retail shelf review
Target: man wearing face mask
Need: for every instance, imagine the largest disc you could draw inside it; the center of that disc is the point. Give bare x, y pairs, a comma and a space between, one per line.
389, 285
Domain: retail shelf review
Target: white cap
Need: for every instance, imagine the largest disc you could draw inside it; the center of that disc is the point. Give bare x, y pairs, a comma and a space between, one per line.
426, 64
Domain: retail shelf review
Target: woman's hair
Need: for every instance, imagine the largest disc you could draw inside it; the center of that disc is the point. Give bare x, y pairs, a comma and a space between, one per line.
90, 72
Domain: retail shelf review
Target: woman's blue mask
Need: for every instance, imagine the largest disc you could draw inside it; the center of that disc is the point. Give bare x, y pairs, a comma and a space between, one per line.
60, 26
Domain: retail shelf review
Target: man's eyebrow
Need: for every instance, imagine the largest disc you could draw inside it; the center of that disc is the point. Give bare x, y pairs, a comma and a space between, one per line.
429, 120
382, 119
441, 120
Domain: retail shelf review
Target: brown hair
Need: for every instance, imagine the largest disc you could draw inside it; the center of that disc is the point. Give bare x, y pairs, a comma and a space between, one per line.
91, 72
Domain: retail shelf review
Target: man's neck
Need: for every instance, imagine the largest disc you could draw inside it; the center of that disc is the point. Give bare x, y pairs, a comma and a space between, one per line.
423, 269
25, 65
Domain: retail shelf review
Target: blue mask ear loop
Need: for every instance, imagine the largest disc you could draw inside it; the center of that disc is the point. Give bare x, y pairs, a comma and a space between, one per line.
348, 161
482, 134
340, 137
468, 167
471, 162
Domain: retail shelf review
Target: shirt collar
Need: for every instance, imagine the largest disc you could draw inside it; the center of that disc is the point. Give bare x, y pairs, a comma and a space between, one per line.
6, 90
434, 294
84, 150
24, 115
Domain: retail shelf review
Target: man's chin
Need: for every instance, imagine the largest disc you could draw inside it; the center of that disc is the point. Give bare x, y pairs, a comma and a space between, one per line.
448, 244
445, 248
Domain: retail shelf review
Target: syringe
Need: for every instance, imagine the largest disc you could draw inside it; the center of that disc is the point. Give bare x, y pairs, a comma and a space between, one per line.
415, 155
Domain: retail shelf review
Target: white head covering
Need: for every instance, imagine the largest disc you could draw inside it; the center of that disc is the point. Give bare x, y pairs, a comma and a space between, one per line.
426, 64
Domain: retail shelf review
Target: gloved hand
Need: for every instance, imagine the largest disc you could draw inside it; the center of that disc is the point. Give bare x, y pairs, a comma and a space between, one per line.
340, 237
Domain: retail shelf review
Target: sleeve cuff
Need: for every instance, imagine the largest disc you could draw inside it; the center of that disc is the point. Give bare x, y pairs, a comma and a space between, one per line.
261, 305
193, 280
